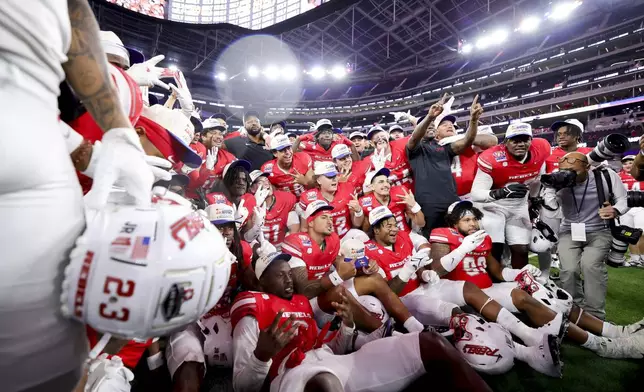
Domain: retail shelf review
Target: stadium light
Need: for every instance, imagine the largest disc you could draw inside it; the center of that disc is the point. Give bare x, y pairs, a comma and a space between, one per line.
499, 36
221, 76
563, 10
467, 48
289, 72
482, 43
529, 24
271, 72
317, 72
253, 72
338, 72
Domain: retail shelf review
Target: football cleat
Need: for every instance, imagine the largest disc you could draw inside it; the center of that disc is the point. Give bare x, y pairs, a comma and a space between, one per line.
635, 328
621, 348
361, 338
546, 357
556, 327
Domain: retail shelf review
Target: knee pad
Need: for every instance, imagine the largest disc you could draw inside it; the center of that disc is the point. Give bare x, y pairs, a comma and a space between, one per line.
487, 347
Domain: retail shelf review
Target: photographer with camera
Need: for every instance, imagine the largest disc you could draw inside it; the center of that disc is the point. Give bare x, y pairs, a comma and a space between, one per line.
590, 201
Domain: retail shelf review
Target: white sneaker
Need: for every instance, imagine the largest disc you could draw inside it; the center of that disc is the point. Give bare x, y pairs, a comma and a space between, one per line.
620, 348
635, 328
546, 357
554, 261
557, 327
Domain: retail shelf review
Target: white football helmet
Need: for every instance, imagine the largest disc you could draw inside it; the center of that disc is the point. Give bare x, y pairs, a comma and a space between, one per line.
487, 347
550, 294
374, 306
538, 242
218, 340
145, 272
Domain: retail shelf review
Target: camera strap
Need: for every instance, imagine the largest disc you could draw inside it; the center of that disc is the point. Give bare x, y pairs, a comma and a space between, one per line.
600, 189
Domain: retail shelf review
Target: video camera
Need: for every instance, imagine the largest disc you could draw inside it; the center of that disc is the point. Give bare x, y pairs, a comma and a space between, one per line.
560, 179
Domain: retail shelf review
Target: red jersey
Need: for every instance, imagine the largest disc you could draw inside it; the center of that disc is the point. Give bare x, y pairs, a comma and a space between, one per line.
473, 267
232, 134
264, 307
317, 152
200, 149
552, 162
318, 261
204, 178
630, 182
399, 164
358, 174
131, 353
282, 180
249, 202
370, 202
340, 203
222, 308
464, 170
392, 260
505, 169
275, 224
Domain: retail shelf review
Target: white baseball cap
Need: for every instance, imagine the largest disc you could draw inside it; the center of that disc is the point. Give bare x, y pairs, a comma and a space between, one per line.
446, 117
379, 213
179, 127
214, 123
572, 121
374, 130
357, 134
518, 129
485, 130
263, 262
373, 174
326, 169
315, 206
239, 162
396, 127
219, 213
255, 174
340, 151
353, 250
628, 158
466, 203
322, 123
280, 142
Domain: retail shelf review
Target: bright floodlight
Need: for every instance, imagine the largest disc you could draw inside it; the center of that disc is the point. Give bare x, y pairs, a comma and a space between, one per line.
289, 72
221, 76
467, 48
253, 72
483, 43
499, 36
529, 24
563, 10
271, 72
317, 73
173, 67
338, 72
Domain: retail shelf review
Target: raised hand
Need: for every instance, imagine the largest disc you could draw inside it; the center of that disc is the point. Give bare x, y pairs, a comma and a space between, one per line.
147, 74
211, 158
343, 309
346, 269
437, 108
274, 338
261, 194
298, 177
407, 198
354, 204
473, 241
344, 174
476, 110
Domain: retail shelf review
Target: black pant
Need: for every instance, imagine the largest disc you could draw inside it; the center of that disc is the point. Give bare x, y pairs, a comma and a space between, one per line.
434, 217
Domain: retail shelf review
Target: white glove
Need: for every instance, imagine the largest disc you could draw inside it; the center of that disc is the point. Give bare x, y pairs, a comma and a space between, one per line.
159, 166
121, 161
147, 74
183, 95
108, 375
510, 274
430, 276
532, 270
243, 132
472, 242
185, 169
211, 158
241, 214
413, 264
259, 217
265, 247
402, 116
378, 158
261, 195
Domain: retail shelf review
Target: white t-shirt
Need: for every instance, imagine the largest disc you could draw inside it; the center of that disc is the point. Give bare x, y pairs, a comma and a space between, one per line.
36, 35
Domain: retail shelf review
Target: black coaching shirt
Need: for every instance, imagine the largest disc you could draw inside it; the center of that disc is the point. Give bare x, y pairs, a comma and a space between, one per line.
431, 164
244, 148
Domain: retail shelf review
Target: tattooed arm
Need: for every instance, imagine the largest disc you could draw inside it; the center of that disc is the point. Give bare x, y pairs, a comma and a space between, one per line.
87, 72
309, 288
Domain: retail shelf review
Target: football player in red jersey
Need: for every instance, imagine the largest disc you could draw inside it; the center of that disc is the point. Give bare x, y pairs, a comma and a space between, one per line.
461, 253
635, 216
281, 214
391, 155
399, 199
277, 345
637, 170
289, 172
215, 160
507, 173
208, 342
315, 251
396, 254
320, 144
351, 172
346, 210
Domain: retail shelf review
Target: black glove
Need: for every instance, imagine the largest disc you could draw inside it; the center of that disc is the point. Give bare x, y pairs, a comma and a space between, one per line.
512, 191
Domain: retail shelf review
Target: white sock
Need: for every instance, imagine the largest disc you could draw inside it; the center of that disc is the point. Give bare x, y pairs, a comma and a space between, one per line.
635, 257
610, 331
592, 343
516, 327
413, 325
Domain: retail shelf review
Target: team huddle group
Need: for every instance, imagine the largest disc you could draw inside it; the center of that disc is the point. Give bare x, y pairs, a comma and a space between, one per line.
308, 261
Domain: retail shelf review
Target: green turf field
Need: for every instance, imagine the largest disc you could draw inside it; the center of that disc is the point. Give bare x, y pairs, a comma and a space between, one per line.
583, 370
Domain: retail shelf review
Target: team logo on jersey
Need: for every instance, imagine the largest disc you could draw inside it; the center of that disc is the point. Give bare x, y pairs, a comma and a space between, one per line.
366, 202
371, 246
219, 199
311, 196
499, 156
306, 241
268, 168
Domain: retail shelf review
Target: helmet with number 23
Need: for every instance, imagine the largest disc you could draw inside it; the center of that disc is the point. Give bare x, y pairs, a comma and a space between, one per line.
145, 272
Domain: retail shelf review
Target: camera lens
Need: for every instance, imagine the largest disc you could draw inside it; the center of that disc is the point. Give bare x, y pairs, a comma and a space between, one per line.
635, 199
